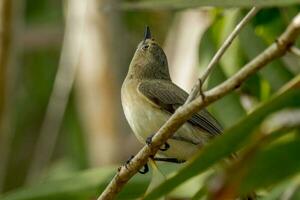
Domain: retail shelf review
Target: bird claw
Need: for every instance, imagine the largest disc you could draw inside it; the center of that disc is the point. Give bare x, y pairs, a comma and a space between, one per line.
171, 160
165, 147
128, 161
149, 140
145, 169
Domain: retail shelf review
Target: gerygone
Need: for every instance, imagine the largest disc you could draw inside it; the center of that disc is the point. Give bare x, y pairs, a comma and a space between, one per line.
149, 98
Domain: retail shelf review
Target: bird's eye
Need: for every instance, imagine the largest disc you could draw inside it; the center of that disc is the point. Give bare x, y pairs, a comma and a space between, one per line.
145, 47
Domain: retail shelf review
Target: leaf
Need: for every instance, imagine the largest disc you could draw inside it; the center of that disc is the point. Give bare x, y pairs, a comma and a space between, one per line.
275, 73
272, 165
156, 178
223, 25
84, 185
277, 191
230, 103
296, 194
201, 193
184, 4
232, 139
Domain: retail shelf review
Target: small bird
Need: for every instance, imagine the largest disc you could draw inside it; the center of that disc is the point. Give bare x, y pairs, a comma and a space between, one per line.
149, 98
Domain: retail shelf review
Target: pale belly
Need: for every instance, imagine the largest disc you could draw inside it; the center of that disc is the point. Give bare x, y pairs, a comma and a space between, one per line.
145, 120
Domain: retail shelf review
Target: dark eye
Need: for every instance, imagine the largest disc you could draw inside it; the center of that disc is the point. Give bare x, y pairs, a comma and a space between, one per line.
145, 47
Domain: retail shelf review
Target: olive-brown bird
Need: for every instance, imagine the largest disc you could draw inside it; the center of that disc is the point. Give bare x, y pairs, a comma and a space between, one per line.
149, 98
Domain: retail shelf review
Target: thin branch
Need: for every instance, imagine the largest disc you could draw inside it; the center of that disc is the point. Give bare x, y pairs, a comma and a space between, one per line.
198, 86
183, 113
295, 51
61, 90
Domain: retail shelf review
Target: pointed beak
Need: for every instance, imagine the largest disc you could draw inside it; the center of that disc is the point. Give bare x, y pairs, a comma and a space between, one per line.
147, 33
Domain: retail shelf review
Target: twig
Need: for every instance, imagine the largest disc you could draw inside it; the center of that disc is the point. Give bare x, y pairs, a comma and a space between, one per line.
295, 51
183, 113
61, 90
198, 86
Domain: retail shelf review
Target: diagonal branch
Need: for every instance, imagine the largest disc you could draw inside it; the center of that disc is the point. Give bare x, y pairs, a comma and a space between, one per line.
198, 86
276, 50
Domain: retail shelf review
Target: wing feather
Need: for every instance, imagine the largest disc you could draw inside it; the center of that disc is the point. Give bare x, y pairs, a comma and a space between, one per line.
169, 97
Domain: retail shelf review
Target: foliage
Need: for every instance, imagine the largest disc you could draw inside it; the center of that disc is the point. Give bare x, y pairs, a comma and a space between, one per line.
268, 164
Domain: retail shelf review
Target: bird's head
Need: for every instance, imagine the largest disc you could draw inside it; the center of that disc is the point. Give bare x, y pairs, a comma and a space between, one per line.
149, 60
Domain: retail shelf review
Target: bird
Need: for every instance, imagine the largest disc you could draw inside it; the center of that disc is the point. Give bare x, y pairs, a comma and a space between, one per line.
149, 98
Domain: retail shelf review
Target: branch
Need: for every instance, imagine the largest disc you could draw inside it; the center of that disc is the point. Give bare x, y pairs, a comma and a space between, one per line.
198, 86
182, 114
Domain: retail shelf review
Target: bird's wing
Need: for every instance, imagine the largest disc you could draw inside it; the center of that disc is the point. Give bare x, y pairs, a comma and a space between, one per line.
169, 97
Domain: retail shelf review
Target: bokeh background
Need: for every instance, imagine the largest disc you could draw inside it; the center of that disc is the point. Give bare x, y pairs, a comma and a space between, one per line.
62, 64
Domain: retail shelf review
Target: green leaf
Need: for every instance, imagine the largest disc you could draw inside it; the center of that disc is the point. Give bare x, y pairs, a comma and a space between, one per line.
277, 190
296, 194
157, 177
84, 185
275, 73
230, 103
200, 194
184, 4
268, 24
272, 165
232, 139
223, 25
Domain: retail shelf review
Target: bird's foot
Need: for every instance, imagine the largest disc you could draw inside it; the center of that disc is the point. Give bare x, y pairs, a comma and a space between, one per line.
171, 160
164, 148
149, 140
145, 168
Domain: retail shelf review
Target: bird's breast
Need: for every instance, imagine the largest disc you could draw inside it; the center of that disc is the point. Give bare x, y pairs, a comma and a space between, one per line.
143, 117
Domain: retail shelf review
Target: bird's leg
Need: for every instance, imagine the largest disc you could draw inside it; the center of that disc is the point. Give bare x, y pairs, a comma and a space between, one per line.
171, 160
145, 169
165, 147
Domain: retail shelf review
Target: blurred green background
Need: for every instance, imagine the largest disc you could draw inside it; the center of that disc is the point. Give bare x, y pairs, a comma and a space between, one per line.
63, 132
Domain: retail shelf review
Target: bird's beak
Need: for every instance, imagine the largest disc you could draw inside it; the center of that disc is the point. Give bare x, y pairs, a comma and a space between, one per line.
147, 33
